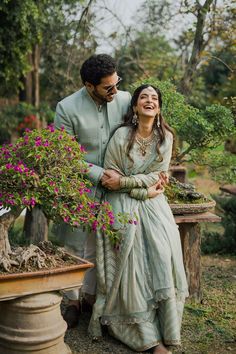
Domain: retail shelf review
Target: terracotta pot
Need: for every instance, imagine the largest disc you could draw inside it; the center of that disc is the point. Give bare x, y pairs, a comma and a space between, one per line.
21, 284
33, 324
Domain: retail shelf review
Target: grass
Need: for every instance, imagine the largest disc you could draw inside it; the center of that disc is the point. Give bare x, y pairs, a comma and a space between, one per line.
209, 327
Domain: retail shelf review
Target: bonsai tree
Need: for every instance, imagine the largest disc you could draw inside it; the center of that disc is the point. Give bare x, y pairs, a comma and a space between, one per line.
47, 168
202, 132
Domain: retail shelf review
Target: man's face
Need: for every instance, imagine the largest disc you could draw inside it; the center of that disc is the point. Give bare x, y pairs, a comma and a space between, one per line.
106, 90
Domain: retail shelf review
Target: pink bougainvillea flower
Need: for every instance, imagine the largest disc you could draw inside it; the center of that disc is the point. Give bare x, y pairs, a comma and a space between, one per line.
94, 225
38, 143
46, 143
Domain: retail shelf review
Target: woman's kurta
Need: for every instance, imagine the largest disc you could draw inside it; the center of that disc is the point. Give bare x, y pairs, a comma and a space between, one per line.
141, 287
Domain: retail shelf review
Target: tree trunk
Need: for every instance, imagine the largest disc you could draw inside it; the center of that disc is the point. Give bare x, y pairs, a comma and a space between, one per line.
25, 94
6, 220
35, 76
31, 89
36, 226
198, 46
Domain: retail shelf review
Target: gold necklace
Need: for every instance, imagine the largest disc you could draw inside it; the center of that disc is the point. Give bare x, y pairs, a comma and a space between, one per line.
144, 143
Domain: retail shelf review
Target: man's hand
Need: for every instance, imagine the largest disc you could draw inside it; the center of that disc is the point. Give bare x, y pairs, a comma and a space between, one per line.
111, 180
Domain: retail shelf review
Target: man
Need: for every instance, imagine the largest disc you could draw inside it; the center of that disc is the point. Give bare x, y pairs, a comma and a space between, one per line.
92, 114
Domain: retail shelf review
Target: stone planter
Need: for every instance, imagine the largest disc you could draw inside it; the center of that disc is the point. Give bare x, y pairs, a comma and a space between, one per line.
32, 324
30, 316
191, 208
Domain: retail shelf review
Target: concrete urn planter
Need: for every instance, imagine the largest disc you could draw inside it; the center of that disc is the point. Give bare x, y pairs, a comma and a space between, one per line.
30, 316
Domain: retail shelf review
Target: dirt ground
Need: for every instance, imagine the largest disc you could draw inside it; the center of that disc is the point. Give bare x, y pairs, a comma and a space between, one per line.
208, 327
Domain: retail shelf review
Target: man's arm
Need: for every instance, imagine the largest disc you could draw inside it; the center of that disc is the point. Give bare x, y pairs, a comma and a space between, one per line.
62, 120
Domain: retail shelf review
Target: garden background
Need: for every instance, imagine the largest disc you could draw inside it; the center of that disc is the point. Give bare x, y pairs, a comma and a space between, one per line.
186, 46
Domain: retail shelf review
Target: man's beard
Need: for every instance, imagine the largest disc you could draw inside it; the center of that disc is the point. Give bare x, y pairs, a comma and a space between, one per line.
99, 97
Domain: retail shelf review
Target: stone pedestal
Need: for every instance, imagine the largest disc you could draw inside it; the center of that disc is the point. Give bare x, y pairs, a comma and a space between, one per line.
190, 235
32, 324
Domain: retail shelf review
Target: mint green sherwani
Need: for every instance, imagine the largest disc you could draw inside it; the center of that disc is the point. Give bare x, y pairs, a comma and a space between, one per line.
93, 126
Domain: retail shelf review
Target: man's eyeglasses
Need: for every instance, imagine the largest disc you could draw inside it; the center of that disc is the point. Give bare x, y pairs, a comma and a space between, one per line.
110, 88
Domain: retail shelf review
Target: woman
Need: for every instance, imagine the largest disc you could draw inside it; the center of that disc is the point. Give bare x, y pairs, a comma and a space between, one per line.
142, 287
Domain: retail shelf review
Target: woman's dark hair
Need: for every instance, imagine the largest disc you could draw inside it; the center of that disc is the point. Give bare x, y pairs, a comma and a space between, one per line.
96, 67
161, 130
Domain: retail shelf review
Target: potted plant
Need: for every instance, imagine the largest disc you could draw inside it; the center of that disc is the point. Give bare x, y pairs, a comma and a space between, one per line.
46, 169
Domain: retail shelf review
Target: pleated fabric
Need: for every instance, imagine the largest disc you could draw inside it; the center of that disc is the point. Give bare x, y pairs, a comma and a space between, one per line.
141, 288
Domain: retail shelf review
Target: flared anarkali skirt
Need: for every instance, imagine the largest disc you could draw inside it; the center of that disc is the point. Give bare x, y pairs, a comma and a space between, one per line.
141, 287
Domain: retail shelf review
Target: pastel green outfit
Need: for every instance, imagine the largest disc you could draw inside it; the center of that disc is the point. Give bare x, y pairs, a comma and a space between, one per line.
141, 288
93, 126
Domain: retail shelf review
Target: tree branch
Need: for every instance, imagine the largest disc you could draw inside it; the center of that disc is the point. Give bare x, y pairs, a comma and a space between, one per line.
84, 13
223, 62
198, 46
127, 33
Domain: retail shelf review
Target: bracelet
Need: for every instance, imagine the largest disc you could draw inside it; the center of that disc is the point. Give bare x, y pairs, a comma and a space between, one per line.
139, 193
127, 182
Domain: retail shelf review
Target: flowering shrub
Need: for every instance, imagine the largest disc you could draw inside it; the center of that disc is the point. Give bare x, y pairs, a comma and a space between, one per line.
47, 168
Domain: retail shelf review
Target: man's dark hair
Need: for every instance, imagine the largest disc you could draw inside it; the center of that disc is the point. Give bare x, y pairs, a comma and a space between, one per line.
96, 67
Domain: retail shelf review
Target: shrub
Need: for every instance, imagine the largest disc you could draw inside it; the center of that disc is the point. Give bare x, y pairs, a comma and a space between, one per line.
47, 168
214, 242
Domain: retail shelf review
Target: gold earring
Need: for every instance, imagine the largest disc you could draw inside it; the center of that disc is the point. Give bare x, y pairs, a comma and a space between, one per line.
135, 119
158, 121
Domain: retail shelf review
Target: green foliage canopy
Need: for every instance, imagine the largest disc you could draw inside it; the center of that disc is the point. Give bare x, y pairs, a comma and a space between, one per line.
19, 30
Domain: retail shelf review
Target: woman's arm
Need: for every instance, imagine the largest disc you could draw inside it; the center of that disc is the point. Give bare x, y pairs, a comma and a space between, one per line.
137, 184
143, 193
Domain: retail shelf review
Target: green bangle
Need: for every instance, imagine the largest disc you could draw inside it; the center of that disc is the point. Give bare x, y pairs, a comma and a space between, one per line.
139, 193
128, 182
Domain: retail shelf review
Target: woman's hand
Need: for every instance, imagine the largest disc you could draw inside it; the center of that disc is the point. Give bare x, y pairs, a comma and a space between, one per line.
164, 177
156, 189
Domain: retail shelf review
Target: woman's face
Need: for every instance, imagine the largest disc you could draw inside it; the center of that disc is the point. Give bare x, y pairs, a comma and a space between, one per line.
147, 103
